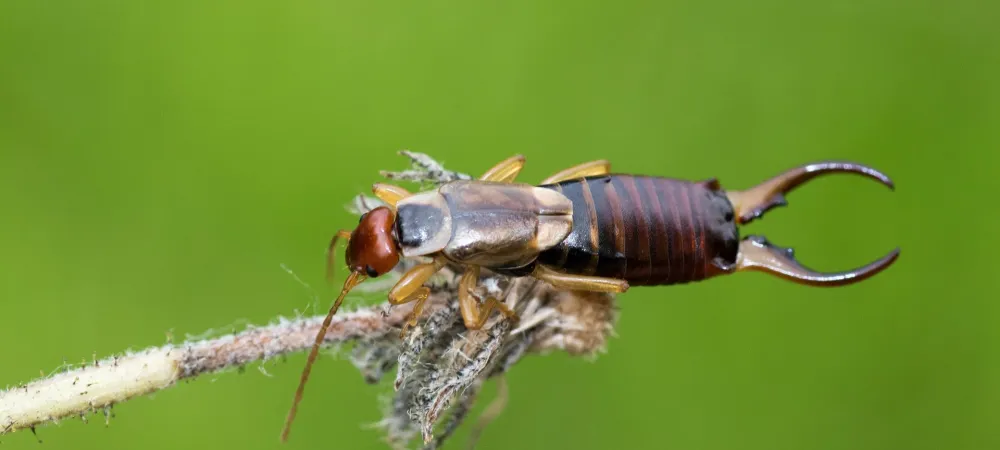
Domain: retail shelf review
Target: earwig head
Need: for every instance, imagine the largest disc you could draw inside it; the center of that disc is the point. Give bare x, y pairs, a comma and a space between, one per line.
372, 249
756, 253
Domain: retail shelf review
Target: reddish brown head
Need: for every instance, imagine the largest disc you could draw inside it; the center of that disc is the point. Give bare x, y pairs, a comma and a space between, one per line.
372, 249
371, 252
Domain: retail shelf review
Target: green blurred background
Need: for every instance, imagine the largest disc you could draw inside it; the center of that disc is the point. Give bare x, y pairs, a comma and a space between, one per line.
159, 161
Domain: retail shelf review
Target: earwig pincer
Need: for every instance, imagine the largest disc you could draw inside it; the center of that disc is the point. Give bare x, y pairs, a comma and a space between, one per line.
582, 228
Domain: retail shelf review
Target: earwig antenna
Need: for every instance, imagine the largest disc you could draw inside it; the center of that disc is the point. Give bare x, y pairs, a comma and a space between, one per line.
353, 280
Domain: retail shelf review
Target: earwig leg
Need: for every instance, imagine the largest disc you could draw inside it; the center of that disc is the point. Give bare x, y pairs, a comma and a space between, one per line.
413, 280
420, 296
473, 314
410, 288
390, 194
505, 171
754, 202
579, 282
587, 169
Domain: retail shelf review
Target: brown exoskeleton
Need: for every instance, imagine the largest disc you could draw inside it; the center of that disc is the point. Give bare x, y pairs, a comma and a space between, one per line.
581, 229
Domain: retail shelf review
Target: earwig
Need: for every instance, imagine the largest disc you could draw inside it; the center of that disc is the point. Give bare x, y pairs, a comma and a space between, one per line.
582, 229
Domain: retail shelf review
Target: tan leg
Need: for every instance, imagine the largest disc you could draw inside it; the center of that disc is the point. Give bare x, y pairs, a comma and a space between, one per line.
587, 169
506, 171
579, 282
410, 288
389, 194
474, 314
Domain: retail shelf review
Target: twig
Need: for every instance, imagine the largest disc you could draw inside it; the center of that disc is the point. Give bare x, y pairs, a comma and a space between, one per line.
98, 387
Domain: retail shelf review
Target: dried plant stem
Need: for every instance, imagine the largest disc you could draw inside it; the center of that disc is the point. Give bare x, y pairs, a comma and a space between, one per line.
97, 387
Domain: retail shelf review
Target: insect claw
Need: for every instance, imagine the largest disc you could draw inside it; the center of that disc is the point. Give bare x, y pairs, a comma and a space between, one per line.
788, 252
757, 253
404, 330
752, 203
777, 200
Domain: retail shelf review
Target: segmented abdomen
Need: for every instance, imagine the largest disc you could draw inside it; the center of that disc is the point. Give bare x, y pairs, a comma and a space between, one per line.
646, 230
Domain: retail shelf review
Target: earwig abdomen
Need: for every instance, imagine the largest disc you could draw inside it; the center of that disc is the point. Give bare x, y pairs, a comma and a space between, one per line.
645, 230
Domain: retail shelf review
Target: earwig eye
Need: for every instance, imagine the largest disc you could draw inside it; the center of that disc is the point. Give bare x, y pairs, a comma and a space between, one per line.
371, 271
362, 218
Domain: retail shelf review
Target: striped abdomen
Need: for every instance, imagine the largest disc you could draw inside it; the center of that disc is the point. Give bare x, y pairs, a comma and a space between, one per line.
645, 230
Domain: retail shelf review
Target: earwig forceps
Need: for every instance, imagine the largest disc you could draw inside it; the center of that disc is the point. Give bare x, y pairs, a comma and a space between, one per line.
756, 253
